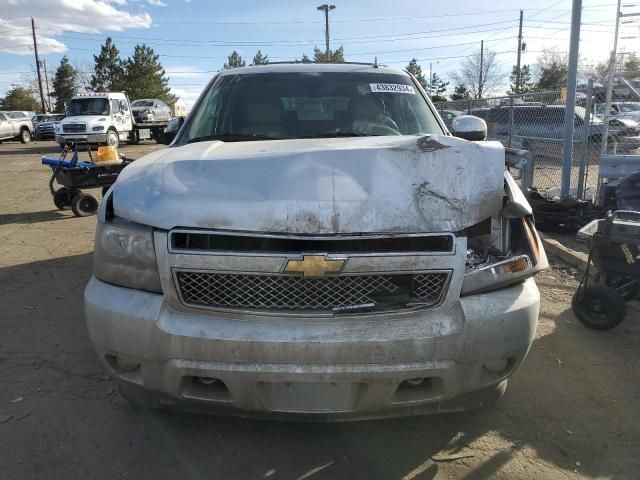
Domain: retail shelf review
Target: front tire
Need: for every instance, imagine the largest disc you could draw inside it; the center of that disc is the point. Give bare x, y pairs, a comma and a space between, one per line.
112, 138
25, 135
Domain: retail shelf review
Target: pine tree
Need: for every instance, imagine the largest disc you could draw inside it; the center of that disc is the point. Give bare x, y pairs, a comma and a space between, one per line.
108, 71
416, 70
260, 59
64, 83
522, 84
438, 88
305, 59
235, 61
335, 56
20, 98
144, 76
460, 93
553, 71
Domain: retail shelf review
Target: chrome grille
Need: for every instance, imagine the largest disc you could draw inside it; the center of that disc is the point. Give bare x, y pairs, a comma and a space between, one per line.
293, 293
74, 127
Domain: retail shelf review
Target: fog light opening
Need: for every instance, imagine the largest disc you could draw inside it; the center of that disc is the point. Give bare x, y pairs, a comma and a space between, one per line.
122, 365
499, 367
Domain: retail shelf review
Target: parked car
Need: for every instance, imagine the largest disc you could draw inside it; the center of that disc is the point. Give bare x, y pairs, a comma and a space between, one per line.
625, 133
46, 127
15, 125
307, 245
628, 110
150, 110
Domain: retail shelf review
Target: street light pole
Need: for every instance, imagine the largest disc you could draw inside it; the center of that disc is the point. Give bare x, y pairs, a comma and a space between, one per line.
325, 8
518, 73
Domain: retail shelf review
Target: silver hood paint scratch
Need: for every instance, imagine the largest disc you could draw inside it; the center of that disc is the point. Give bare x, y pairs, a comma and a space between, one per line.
348, 185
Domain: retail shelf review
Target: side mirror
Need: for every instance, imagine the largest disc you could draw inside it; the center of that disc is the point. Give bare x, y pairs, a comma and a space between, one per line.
173, 127
469, 127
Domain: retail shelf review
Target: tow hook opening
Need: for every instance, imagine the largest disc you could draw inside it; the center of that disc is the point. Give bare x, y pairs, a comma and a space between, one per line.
205, 388
418, 389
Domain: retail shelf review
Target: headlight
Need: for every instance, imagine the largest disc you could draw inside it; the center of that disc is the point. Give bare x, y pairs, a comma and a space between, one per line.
99, 128
487, 272
124, 255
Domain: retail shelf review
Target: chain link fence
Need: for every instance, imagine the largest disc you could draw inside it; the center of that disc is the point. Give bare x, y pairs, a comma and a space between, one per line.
535, 122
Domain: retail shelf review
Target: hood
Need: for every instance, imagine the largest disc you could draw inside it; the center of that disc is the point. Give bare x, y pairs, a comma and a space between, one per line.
89, 119
316, 186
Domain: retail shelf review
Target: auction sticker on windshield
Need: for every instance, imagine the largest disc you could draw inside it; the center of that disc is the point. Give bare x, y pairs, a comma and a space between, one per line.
391, 88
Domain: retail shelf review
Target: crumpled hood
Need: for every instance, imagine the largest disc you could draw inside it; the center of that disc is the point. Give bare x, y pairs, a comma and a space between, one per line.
433, 183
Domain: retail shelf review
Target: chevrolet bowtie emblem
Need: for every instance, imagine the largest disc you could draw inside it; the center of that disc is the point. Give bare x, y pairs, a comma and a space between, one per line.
314, 266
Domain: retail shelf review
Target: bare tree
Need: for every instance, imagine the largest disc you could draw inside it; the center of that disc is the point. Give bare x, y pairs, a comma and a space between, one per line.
469, 74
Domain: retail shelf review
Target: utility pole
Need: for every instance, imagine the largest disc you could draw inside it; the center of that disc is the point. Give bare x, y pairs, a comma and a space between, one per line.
572, 73
612, 70
46, 80
35, 49
518, 74
481, 68
325, 8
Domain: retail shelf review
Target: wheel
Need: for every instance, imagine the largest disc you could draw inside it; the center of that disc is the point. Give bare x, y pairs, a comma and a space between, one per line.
598, 307
63, 197
84, 205
25, 135
158, 135
624, 286
112, 138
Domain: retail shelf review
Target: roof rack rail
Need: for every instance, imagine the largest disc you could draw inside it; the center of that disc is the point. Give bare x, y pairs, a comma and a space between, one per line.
293, 62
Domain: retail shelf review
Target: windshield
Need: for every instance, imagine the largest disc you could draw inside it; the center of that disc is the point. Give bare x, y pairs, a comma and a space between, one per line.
89, 106
630, 107
307, 105
142, 103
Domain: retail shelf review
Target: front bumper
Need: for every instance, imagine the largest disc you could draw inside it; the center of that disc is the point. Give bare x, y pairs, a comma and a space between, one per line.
81, 137
346, 367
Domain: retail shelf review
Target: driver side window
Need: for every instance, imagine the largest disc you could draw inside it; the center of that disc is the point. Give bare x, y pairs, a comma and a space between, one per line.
115, 107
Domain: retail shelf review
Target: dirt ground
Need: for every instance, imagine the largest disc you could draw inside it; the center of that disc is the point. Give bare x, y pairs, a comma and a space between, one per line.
570, 412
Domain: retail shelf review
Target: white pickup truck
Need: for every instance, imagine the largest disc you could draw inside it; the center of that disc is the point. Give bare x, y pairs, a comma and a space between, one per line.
104, 118
15, 125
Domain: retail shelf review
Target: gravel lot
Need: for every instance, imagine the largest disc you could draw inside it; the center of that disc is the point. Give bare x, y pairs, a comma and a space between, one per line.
570, 412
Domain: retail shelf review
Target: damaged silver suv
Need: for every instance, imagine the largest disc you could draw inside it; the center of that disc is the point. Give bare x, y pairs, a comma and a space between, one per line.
314, 242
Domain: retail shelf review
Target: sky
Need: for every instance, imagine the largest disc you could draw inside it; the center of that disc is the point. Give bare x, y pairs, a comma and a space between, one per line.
194, 37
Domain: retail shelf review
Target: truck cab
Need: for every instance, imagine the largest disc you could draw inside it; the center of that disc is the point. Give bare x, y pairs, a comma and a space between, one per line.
97, 118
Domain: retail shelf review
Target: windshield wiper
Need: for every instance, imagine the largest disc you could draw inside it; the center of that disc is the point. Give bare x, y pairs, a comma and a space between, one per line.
340, 134
231, 137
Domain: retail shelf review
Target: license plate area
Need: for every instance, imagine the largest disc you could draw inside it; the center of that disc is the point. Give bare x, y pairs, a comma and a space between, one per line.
310, 397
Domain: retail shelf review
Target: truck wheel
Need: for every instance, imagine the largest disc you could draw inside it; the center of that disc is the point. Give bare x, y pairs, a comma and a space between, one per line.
112, 138
25, 135
598, 307
84, 205
158, 135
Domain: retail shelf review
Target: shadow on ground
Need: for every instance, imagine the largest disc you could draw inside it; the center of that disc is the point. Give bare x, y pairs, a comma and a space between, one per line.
34, 217
574, 400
